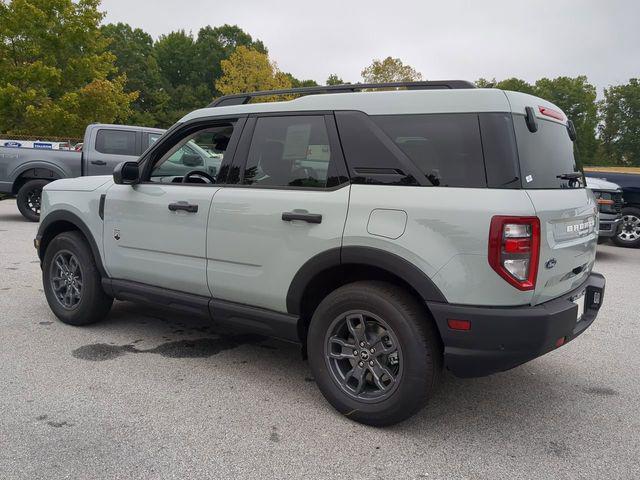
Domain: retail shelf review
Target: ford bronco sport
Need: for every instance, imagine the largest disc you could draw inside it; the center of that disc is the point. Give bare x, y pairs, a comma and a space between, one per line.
392, 233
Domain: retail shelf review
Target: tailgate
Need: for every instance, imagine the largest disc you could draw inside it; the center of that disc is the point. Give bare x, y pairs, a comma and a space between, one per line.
568, 220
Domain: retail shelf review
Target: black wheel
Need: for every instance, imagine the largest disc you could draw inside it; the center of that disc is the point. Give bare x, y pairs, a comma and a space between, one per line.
72, 282
375, 352
28, 199
629, 229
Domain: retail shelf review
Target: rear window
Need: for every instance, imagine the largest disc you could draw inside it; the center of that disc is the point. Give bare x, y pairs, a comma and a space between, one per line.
447, 148
116, 142
547, 157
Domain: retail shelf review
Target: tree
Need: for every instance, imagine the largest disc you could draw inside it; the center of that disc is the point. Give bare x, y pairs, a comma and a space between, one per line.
620, 131
577, 98
295, 83
512, 84
217, 44
334, 79
389, 70
135, 57
54, 67
248, 70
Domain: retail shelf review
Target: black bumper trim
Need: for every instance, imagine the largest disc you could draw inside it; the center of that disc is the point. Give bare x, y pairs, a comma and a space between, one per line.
504, 337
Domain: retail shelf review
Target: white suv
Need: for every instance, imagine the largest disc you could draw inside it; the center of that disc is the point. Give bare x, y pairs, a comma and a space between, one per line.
391, 233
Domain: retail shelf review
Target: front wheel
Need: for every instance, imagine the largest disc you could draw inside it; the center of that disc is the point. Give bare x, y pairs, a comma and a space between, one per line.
629, 230
29, 197
72, 282
375, 352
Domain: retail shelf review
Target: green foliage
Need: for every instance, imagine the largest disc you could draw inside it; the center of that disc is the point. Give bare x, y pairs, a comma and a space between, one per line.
248, 70
620, 131
54, 69
577, 98
334, 79
135, 56
389, 70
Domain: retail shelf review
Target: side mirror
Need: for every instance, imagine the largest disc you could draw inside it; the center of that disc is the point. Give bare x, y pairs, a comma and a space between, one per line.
126, 173
192, 160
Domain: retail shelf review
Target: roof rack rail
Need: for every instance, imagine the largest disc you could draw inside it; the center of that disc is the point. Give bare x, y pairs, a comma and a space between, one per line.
243, 98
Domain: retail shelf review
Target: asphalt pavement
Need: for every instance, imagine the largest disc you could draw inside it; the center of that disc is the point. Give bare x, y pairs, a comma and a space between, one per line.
148, 394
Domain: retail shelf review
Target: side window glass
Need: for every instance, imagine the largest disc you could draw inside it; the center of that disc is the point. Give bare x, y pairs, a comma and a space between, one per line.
116, 142
290, 151
445, 147
202, 151
153, 137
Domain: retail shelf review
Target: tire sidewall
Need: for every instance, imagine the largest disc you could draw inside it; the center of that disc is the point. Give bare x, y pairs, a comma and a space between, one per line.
21, 199
418, 367
93, 303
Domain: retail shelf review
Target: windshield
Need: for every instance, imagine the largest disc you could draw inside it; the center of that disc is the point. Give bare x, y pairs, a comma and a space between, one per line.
548, 158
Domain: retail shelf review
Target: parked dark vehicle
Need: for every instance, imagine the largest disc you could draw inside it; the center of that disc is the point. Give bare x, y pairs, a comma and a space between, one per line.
24, 171
628, 234
609, 198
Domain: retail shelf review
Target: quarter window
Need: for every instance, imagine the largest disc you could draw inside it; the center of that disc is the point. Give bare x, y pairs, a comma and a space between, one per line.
445, 147
290, 151
116, 142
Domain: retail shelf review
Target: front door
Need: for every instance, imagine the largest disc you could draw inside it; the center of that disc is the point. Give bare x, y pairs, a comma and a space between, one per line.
289, 204
155, 231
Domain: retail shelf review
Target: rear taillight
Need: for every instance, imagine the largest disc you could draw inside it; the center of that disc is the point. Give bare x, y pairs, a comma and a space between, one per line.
514, 249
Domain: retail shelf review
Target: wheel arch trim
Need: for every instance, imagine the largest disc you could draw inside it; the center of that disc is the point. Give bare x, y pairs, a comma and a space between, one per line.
58, 216
361, 256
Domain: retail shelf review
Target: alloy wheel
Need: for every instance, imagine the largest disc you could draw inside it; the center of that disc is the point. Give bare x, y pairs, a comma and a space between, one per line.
629, 229
33, 200
66, 279
364, 356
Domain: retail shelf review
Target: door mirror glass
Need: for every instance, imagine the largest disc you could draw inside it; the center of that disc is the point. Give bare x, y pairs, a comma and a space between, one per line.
192, 159
126, 173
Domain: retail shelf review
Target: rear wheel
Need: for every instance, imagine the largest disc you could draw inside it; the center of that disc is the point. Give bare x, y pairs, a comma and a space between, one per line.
28, 199
72, 282
374, 352
629, 230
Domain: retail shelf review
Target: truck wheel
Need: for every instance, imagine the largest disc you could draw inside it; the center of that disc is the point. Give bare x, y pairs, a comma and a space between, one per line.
375, 352
72, 282
28, 199
629, 230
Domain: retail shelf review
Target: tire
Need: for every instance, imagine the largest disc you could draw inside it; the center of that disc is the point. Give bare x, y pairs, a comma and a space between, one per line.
628, 234
84, 301
29, 197
388, 310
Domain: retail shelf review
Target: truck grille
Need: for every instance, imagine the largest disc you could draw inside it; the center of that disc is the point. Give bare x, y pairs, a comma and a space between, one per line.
617, 199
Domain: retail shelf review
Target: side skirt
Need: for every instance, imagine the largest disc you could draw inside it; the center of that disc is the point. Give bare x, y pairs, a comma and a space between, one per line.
236, 316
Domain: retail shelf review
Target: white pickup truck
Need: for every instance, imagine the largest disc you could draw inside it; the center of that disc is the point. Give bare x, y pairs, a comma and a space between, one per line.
24, 171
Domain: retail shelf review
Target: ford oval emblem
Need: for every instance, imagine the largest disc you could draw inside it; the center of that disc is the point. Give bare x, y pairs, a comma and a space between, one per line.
550, 263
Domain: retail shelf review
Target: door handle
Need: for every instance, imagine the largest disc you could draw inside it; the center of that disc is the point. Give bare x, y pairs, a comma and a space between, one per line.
187, 207
302, 215
98, 162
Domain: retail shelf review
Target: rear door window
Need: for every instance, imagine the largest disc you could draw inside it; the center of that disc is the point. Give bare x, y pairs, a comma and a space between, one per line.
447, 148
547, 157
291, 151
116, 142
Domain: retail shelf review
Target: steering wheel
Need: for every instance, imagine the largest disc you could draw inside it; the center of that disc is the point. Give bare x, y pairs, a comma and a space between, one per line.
200, 173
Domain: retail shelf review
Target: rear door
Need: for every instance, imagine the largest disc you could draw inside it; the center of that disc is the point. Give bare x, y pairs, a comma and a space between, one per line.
287, 202
552, 176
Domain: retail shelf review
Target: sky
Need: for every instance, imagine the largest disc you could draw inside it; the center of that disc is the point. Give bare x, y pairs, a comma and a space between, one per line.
446, 39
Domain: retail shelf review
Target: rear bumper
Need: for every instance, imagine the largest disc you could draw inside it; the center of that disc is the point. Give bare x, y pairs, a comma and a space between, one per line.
608, 225
501, 338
